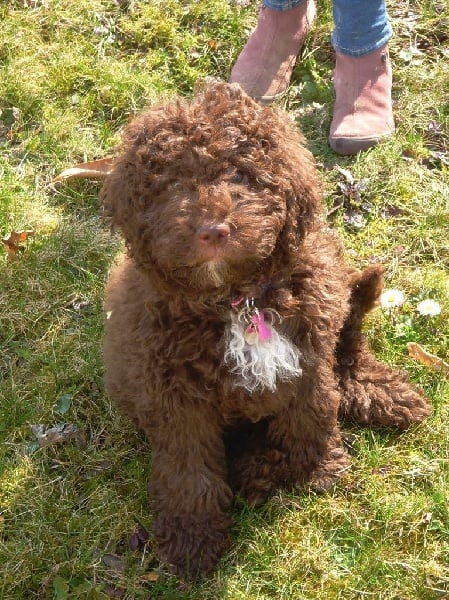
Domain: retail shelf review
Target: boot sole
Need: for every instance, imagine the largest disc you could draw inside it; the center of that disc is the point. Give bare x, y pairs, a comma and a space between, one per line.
354, 145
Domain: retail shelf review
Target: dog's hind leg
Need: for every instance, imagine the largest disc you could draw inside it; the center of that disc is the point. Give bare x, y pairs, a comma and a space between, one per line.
297, 447
372, 393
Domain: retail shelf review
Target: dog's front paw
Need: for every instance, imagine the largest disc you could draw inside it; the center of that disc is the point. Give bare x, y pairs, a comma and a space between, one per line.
256, 476
192, 545
329, 470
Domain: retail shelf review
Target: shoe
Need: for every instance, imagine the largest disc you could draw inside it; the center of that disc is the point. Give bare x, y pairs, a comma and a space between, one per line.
265, 64
363, 113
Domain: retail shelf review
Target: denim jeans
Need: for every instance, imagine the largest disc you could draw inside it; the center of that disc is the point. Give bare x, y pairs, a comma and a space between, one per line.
360, 26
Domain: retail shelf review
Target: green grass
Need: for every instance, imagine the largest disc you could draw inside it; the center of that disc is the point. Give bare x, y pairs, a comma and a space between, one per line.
71, 75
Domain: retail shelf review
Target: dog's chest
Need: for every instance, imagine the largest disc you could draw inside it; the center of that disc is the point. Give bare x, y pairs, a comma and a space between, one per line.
236, 351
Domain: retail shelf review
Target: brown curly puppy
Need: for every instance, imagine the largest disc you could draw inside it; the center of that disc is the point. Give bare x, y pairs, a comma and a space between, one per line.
234, 331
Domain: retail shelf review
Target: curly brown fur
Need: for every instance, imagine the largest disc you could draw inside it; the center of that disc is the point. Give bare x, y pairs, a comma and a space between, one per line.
219, 199
372, 393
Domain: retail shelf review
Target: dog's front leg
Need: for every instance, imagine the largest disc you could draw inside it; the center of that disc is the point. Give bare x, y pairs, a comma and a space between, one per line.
308, 432
188, 489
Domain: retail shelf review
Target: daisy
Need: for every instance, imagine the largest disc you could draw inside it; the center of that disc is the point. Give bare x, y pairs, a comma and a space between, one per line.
391, 298
429, 308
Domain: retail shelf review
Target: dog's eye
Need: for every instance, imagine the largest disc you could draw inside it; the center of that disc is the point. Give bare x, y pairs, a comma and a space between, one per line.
237, 177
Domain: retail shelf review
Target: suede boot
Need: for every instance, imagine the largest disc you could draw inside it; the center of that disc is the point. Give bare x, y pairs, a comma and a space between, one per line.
265, 64
363, 113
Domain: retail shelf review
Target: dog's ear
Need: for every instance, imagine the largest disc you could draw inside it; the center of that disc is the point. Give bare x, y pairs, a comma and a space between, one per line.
116, 194
303, 214
305, 207
302, 187
125, 190
149, 142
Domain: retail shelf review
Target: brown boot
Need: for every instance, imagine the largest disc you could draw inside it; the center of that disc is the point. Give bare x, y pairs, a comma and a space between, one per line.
265, 64
363, 113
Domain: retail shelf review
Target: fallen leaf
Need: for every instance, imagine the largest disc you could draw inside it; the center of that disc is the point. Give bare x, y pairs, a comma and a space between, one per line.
63, 403
95, 169
14, 239
139, 538
113, 592
151, 576
56, 435
114, 562
426, 358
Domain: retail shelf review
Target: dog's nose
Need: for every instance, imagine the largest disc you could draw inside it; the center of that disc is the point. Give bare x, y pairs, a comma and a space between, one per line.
214, 233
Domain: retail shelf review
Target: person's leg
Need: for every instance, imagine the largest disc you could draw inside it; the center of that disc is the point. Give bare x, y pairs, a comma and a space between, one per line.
265, 64
362, 111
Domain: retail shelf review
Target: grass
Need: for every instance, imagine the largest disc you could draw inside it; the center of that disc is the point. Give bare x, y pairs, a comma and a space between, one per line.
71, 75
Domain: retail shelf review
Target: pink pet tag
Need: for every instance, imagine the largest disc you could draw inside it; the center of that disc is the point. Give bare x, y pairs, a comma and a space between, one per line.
257, 330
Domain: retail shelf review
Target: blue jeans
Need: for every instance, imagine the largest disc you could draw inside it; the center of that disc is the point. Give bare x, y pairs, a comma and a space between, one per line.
360, 26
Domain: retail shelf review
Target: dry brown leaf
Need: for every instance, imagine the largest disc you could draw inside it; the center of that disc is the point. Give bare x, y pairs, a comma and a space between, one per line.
94, 169
426, 358
14, 239
150, 576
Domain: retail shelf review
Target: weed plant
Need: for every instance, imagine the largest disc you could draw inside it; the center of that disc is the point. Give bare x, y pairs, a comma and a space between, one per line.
74, 516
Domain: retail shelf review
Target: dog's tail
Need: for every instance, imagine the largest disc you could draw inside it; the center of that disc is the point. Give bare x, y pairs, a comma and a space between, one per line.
372, 393
366, 289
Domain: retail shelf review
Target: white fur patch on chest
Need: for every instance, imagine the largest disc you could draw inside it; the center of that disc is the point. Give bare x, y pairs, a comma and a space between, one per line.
259, 361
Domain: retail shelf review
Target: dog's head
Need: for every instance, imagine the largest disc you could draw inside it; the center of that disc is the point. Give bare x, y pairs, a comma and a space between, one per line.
212, 190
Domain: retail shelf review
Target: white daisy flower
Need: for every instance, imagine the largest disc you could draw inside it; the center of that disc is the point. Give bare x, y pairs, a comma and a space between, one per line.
391, 298
429, 308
